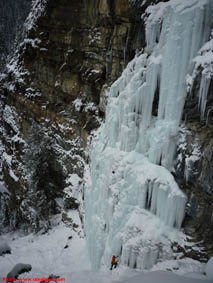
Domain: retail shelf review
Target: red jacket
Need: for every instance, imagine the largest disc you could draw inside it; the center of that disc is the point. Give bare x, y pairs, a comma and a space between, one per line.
113, 259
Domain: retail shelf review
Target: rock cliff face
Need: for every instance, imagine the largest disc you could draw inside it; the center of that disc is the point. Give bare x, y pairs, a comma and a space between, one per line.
55, 88
194, 174
194, 170
53, 96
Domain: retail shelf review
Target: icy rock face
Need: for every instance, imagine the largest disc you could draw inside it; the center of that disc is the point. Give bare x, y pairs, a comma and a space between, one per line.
133, 204
204, 62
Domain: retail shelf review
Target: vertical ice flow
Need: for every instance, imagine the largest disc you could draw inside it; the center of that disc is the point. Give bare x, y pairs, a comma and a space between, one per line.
133, 204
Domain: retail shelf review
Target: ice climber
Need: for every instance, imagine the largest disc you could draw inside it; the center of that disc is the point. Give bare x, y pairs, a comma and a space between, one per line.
114, 262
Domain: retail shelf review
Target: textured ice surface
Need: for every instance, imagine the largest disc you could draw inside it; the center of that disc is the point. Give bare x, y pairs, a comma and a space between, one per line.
209, 269
133, 204
204, 60
126, 194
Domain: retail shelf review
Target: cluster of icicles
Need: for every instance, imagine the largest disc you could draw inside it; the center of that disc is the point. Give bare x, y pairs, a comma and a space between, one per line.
133, 155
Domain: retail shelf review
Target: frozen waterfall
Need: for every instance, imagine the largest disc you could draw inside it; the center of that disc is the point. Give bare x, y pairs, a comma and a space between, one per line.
134, 207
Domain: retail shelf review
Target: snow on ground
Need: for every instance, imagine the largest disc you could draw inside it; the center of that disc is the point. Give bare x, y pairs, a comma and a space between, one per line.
46, 253
62, 252
162, 277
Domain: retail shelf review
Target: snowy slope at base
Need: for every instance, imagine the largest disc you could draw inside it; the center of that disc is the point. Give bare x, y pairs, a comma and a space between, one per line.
47, 256
46, 253
163, 277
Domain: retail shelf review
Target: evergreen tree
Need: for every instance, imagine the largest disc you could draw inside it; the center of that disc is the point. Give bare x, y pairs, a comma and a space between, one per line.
43, 174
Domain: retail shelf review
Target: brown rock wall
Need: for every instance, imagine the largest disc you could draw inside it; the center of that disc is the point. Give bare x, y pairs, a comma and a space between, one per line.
76, 48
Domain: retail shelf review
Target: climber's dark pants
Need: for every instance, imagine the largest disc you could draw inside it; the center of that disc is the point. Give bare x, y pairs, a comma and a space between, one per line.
113, 265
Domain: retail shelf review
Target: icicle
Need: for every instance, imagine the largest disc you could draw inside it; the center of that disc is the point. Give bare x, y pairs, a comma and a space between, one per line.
208, 112
204, 88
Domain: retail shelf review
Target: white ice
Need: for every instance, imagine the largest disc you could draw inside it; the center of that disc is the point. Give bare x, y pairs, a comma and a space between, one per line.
204, 60
209, 269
